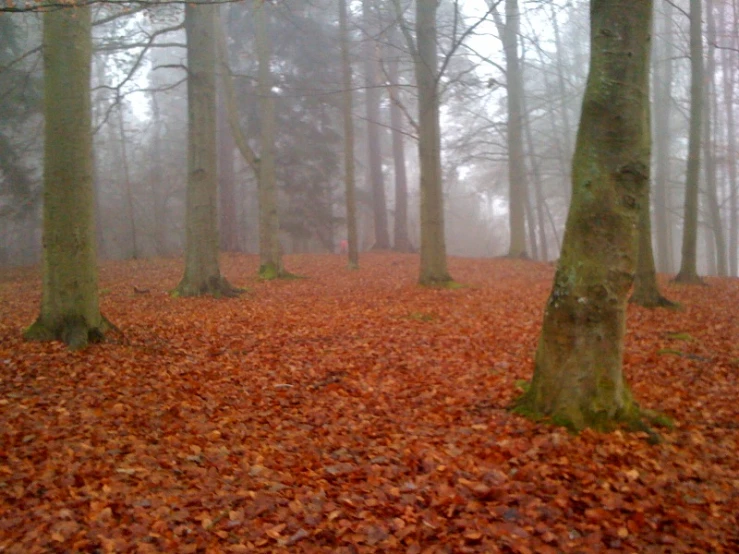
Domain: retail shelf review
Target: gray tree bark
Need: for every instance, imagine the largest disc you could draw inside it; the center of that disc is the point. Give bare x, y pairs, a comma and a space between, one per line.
517, 185
348, 119
70, 309
202, 272
688, 273
663, 79
374, 154
433, 271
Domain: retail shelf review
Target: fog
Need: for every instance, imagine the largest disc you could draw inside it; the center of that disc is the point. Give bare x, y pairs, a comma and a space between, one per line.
140, 119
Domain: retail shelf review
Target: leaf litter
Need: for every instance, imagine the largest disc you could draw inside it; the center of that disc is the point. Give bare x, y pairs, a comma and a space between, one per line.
354, 411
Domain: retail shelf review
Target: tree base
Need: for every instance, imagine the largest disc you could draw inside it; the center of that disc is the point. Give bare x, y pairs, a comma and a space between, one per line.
443, 283
74, 331
653, 300
269, 272
216, 286
574, 418
689, 279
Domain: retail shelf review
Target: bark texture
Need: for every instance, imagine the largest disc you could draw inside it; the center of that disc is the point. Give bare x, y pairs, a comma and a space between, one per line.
202, 272
69, 306
433, 244
578, 380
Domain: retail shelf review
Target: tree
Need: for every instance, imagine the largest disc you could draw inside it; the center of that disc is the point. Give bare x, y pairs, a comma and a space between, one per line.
69, 306
509, 31
374, 155
350, 188
688, 264
433, 269
202, 272
578, 379
270, 250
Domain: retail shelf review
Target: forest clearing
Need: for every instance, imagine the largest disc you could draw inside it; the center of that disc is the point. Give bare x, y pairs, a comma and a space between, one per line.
354, 411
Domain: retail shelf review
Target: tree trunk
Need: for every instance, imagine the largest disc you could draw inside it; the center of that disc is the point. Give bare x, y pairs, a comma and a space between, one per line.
688, 265
578, 379
69, 306
349, 172
270, 250
202, 273
646, 290
128, 187
710, 110
729, 71
662, 101
433, 271
402, 241
509, 32
374, 160
229, 228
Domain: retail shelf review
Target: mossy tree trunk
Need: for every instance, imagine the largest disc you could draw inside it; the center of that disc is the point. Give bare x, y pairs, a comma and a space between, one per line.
349, 169
433, 243
69, 307
578, 380
202, 272
688, 273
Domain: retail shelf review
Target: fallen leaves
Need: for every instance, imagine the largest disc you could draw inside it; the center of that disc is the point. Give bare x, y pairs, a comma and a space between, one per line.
354, 412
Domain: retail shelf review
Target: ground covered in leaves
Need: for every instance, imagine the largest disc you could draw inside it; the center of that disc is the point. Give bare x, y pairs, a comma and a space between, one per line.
353, 411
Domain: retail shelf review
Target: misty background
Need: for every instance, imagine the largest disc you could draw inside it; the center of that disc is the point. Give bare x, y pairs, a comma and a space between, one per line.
140, 127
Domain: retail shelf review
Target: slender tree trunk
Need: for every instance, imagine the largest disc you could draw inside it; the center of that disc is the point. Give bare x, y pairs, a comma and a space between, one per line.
270, 250
433, 269
128, 187
578, 378
202, 272
159, 201
729, 71
710, 110
662, 101
688, 265
536, 174
229, 228
402, 241
349, 170
509, 31
69, 306
374, 161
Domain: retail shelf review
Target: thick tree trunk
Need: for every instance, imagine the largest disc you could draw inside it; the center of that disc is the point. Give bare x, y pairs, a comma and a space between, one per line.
270, 250
688, 265
69, 306
402, 241
662, 101
349, 170
374, 153
433, 269
578, 380
202, 273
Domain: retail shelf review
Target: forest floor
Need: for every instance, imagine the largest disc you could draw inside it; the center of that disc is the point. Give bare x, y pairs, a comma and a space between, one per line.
352, 412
